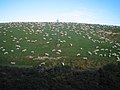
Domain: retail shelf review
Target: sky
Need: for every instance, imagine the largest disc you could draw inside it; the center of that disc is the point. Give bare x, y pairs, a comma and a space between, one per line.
80, 11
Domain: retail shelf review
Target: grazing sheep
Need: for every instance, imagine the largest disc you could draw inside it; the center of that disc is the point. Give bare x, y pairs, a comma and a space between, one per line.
85, 58
4, 41
58, 53
32, 52
5, 53
47, 42
46, 54
30, 57
17, 41
53, 50
105, 55
24, 50
71, 44
60, 50
34, 41
28, 40
100, 55
58, 45
78, 54
118, 59
44, 38
89, 53
3, 49
69, 37
81, 48
13, 63
12, 50
97, 47
18, 46
63, 63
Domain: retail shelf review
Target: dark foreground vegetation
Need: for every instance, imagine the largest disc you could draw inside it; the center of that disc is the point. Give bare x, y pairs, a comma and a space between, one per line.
60, 78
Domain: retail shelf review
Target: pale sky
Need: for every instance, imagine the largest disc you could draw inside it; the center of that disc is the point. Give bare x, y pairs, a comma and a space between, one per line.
81, 11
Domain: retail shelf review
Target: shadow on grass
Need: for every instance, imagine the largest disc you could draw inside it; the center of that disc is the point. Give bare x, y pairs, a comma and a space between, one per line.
60, 78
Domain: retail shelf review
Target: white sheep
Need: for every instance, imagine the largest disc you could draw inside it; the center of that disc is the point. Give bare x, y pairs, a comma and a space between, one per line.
118, 59
71, 44
13, 63
58, 53
24, 50
89, 53
78, 54
32, 52
3, 49
85, 58
43, 63
60, 50
4, 41
63, 63
53, 50
100, 55
46, 54
5, 53
12, 50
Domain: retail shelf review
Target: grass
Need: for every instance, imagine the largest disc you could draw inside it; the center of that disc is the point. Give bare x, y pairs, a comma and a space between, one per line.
47, 36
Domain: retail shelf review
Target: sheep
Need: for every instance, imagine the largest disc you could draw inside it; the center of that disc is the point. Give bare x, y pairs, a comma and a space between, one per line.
105, 55
85, 58
28, 40
69, 37
58, 45
4, 41
53, 50
17, 41
118, 59
60, 50
58, 53
100, 55
18, 46
34, 41
43, 63
3, 49
109, 55
64, 41
44, 38
46, 54
5, 53
89, 53
106, 49
32, 52
12, 50
97, 47
63, 63
71, 44
78, 54
114, 54
13, 40
13, 63
81, 48
24, 50
102, 49
47, 42
30, 57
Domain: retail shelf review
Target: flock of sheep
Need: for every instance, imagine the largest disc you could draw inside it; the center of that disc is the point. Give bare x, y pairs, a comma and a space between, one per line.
57, 39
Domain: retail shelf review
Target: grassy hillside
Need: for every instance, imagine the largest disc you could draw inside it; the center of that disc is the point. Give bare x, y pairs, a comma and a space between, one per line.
83, 45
